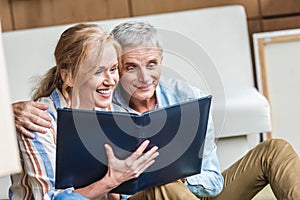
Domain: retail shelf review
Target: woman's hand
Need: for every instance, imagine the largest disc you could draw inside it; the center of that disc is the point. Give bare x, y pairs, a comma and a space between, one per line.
31, 116
120, 171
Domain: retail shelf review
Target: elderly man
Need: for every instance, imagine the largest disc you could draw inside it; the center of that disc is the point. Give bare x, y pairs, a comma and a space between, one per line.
142, 89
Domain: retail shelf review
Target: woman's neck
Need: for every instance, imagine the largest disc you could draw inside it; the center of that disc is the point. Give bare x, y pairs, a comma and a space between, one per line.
91, 107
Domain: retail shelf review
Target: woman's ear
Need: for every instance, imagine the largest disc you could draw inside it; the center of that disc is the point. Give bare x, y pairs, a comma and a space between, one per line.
66, 79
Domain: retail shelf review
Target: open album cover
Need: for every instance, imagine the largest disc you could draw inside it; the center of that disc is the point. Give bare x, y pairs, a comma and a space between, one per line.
178, 130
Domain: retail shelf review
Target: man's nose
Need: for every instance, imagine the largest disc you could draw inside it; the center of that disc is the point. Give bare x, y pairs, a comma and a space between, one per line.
143, 75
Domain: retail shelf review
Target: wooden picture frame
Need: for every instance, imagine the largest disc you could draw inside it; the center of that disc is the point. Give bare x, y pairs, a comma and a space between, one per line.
277, 60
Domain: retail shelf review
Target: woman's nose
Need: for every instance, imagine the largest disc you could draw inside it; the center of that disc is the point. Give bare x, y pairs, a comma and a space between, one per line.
108, 79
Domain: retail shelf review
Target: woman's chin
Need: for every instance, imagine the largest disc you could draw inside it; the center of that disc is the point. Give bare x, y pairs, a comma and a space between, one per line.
103, 104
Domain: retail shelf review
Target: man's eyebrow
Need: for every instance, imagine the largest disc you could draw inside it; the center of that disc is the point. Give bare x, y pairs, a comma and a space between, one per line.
153, 60
130, 63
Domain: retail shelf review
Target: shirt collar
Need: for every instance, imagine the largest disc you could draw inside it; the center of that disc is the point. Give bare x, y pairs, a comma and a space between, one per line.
58, 99
119, 99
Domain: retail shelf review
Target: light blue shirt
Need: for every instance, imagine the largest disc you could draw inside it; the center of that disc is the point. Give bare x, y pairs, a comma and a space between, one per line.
209, 182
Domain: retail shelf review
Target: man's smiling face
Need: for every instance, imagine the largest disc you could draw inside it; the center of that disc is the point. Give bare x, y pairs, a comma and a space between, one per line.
140, 71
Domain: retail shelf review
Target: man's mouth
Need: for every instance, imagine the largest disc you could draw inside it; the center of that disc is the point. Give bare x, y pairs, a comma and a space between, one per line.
144, 87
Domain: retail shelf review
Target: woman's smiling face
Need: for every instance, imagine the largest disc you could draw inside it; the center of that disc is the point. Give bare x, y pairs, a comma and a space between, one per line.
97, 90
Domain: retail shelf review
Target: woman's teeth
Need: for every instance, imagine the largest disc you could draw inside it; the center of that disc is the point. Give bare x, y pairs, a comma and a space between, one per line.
103, 91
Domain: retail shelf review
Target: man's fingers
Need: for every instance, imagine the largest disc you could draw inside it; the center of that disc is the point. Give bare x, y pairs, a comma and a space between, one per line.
25, 132
28, 125
40, 122
42, 116
39, 105
38, 109
31, 116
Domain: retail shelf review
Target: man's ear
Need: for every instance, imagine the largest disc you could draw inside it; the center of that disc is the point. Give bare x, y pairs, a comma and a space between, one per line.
162, 58
65, 78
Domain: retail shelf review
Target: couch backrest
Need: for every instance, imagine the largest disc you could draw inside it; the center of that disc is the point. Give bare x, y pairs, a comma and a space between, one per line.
214, 41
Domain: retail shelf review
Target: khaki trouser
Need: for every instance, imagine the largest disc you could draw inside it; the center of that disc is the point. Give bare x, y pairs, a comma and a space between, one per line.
273, 161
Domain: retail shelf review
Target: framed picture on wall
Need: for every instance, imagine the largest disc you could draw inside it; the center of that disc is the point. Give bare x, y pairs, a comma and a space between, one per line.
277, 59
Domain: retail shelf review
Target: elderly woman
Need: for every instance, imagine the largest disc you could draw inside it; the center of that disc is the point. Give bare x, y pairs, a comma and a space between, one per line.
85, 76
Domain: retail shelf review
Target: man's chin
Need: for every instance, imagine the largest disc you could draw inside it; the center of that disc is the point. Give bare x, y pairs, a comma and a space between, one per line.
143, 96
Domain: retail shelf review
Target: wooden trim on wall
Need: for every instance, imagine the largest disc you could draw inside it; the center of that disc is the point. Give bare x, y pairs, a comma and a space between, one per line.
281, 23
262, 62
261, 52
279, 7
7, 21
146, 7
33, 13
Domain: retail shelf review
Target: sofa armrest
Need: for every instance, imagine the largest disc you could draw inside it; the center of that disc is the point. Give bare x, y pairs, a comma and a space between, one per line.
246, 111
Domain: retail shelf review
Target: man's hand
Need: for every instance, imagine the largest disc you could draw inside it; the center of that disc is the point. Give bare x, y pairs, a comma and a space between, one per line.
30, 115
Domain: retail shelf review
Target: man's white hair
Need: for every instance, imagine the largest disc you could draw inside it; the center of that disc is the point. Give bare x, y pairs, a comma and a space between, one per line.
137, 33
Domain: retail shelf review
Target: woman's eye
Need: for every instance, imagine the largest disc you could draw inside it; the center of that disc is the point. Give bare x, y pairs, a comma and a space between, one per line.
114, 69
98, 72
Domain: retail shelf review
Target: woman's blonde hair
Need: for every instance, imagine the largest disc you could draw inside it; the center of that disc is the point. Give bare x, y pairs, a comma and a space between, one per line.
72, 49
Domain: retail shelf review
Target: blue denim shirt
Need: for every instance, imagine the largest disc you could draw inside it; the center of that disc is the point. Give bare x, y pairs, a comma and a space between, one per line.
209, 182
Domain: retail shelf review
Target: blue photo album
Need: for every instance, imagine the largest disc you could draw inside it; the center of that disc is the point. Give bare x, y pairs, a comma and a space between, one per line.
178, 131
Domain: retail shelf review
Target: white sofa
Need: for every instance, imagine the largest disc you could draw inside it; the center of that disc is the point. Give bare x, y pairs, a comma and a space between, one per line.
207, 47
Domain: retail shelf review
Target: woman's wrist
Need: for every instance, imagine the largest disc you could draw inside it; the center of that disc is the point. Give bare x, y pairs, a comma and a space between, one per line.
110, 182
99, 188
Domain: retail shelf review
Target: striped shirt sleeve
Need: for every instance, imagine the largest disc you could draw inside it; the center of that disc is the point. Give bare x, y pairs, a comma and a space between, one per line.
38, 157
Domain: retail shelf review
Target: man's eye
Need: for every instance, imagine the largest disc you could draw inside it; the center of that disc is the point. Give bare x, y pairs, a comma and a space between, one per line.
130, 68
152, 64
